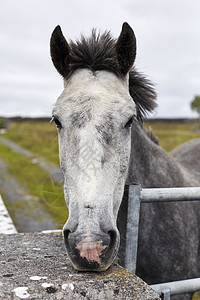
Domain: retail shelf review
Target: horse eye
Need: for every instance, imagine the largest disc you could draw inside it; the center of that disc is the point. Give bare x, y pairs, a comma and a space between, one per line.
129, 123
57, 122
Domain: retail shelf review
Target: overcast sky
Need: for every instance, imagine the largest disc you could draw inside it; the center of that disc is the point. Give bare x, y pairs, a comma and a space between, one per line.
168, 41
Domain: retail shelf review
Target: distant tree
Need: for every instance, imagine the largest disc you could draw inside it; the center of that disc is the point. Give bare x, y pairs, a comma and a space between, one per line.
195, 104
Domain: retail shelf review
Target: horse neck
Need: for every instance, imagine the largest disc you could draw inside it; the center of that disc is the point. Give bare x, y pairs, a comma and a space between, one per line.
151, 166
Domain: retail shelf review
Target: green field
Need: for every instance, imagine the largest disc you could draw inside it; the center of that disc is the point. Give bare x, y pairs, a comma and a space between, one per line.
36, 136
172, 134
41, 139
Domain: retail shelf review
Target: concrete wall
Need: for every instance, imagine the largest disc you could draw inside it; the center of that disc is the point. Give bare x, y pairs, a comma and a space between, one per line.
36, 266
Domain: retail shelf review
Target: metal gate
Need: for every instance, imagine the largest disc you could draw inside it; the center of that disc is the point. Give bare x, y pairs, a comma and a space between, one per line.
129, 215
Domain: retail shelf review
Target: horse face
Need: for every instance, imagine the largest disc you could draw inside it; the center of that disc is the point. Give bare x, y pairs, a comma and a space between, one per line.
93, 116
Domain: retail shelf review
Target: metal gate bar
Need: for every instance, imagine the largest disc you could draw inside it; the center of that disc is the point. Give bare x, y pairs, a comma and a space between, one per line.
177, 287
138, 195
170, 194
133, 214
131, 206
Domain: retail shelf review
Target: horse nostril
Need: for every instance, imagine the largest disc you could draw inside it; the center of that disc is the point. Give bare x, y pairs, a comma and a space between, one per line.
113, 237
66, 233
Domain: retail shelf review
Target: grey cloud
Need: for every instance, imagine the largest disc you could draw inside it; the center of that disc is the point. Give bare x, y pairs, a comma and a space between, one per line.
168, 35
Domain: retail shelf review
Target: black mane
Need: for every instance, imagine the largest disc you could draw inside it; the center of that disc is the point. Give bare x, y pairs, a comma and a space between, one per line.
98, 52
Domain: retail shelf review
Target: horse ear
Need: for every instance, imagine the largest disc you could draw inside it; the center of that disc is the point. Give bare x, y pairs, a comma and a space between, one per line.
126, 48
59, 50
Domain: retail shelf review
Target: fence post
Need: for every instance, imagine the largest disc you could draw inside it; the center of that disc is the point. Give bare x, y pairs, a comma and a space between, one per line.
128, 224
132, 227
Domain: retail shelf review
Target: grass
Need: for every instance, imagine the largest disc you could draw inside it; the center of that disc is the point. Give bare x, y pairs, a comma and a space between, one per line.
173, 134
36, 182
38, 137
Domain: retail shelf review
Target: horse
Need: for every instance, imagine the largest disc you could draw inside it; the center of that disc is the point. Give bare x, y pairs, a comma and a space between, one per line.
103, 146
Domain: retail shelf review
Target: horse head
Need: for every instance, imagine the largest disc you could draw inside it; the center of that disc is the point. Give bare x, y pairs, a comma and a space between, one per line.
93, 115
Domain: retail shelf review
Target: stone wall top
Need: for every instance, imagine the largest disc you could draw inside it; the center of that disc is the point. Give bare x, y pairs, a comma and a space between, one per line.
36, 266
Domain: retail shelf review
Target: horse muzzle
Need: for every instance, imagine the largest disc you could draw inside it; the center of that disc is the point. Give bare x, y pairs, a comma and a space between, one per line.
91, 251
